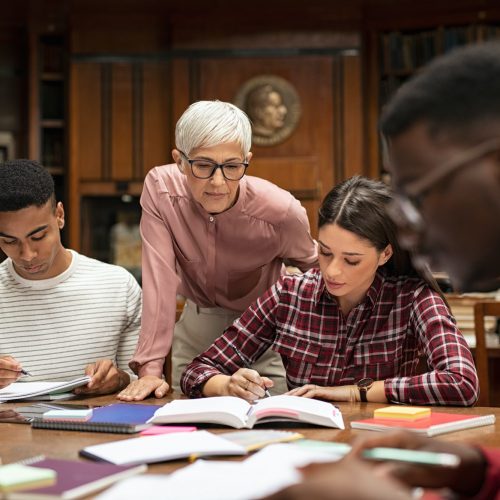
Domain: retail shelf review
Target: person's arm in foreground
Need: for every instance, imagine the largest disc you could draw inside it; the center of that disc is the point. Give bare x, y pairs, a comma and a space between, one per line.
218, 372
348, 479
160, 283
478, 474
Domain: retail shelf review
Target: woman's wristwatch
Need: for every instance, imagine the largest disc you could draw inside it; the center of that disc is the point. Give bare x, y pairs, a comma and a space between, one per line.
364, 385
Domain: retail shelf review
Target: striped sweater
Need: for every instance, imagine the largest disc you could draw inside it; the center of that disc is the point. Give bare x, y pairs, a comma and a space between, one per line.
56, 327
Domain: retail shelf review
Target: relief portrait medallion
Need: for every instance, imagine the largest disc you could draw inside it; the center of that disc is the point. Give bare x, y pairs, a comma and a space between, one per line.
273, 106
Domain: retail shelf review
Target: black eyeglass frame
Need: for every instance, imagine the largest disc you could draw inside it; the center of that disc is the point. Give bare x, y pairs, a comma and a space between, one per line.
215, 167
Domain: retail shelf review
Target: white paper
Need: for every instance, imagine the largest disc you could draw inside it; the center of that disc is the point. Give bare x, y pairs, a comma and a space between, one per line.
25, 390
220, 480
150, 449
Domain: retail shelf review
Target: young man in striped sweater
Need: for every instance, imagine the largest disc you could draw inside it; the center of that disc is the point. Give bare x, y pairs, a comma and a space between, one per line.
61, 314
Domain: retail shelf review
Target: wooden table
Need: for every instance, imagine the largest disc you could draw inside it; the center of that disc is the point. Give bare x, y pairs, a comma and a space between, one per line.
20, 441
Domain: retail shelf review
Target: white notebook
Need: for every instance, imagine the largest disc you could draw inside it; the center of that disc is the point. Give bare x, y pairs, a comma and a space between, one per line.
150, 449
40, 390
238, 413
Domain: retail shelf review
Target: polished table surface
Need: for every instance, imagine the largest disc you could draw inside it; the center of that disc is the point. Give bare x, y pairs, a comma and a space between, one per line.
20, 441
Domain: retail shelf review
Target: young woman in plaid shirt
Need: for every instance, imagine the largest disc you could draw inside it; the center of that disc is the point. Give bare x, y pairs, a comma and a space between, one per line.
353, 329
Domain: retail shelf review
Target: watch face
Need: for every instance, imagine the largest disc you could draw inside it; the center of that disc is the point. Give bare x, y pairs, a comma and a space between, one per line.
365, 382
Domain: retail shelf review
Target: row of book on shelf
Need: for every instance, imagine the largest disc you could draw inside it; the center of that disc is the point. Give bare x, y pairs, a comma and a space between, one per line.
407, 51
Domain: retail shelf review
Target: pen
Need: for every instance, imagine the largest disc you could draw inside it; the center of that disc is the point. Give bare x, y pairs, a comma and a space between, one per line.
247, 365
24, 372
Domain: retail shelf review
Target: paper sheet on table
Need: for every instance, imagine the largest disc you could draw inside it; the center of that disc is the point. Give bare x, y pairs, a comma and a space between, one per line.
26, 390
222, 480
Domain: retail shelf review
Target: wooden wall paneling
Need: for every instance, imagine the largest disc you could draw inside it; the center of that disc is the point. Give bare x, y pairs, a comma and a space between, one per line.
181, 97
352, 103
303, 162
34, 98
156, 113
371, 104
122, 138
85, 138
86, 103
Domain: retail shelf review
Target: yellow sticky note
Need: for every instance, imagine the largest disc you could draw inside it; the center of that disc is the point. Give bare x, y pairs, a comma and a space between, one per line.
17, 476
402, 412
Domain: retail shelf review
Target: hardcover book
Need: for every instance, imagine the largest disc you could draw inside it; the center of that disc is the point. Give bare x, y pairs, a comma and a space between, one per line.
437, 423
76, 479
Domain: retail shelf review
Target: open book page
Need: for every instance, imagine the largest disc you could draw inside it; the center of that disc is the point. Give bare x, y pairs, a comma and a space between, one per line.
150, 449
306, 410
25, 390
237, 413
225, 410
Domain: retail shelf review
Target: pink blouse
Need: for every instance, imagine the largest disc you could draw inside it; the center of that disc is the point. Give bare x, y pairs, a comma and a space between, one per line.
223, 260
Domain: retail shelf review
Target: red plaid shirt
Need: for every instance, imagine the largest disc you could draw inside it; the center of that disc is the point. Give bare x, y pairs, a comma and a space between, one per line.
381, 338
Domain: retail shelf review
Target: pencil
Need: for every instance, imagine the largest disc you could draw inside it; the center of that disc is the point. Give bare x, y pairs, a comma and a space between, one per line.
247, 365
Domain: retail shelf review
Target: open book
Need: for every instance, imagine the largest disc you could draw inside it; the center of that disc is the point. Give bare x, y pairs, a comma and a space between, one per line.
238, 413
40, 390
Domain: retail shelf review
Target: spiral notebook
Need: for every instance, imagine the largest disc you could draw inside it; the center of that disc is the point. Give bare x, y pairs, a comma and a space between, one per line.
437, 423
119, 418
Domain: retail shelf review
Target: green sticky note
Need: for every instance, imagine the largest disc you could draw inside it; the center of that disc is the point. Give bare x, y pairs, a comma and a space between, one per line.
17, 476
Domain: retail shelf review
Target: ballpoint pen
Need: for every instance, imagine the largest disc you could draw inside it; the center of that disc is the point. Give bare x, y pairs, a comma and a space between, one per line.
24, 372
247, 365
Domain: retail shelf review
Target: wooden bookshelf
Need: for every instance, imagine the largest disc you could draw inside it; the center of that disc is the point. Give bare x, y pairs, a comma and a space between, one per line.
394, 55
48, 123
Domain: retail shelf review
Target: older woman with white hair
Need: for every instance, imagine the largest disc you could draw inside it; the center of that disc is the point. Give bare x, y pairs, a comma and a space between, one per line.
214, 235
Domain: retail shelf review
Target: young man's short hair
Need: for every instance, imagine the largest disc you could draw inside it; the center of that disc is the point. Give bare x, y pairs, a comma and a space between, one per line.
24, 183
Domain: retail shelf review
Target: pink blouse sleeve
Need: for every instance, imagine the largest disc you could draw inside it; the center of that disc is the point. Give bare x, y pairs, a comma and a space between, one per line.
160, 283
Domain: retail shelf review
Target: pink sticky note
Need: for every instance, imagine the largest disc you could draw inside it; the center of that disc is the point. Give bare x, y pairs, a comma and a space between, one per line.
166, 429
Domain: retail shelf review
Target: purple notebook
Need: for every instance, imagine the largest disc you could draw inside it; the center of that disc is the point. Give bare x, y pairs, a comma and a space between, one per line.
76, 479
119, 418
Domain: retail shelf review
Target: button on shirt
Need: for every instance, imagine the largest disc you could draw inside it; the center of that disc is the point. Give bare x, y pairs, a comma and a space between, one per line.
223, 260
381, 338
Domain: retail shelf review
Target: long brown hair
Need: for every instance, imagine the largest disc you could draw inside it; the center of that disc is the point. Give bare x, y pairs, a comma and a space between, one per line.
359, 205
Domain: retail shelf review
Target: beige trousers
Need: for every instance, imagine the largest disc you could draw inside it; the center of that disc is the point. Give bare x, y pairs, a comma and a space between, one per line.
197, 329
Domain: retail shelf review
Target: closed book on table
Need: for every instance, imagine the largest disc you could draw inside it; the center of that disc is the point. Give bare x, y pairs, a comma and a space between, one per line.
437, 423
19, 476
119, 418
76, 479
238, 413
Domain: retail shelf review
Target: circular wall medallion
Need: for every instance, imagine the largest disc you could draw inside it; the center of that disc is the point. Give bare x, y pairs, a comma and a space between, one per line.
273, 106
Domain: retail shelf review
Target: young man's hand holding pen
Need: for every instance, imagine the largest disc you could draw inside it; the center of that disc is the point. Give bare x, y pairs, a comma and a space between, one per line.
10, 370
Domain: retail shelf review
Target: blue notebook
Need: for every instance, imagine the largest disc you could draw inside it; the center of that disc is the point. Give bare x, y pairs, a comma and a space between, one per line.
119, 418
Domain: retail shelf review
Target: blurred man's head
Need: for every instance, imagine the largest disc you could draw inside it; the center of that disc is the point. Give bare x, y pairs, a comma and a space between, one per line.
442, 134
31, 220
